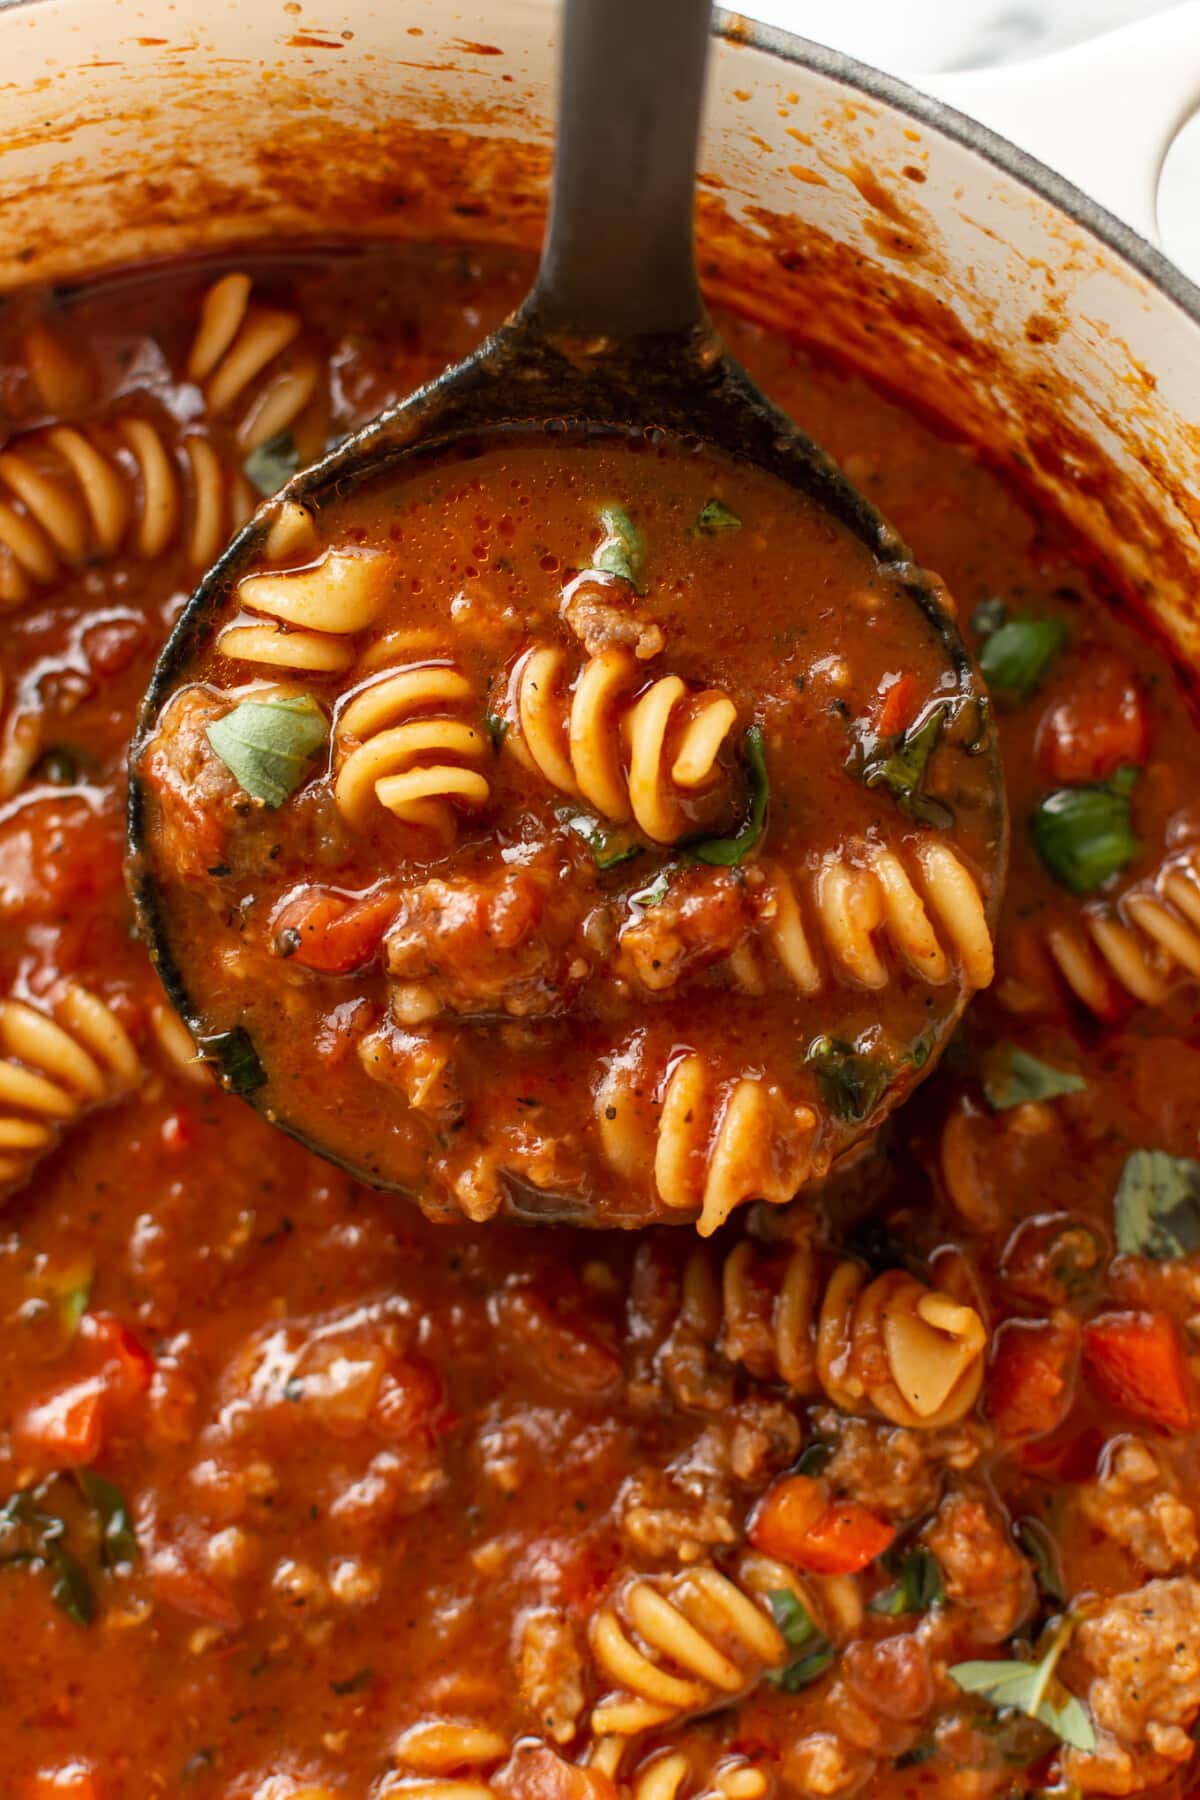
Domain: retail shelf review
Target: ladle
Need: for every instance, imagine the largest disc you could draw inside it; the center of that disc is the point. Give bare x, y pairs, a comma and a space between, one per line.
614, 336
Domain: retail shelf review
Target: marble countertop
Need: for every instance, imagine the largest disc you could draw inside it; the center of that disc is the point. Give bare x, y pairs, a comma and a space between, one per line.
934, 36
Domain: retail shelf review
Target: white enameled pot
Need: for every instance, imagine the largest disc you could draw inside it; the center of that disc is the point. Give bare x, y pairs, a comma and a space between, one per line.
887, 225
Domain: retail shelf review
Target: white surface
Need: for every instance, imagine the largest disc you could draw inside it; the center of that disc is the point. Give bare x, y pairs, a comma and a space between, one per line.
1099, 132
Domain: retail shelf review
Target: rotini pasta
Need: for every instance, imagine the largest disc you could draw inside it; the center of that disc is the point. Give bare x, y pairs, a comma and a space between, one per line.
69, 496
712, 1145
889, 1345
400, 741
236, 344
1140, 946
630, 758
61, 372
935, 924
677, 1645
56, 1064
306, 619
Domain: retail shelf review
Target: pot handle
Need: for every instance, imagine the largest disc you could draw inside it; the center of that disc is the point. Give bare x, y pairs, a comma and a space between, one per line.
1103, 113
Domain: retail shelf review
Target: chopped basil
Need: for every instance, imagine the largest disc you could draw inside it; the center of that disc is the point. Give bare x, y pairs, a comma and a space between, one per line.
610, 847
272, 463
715, 516
728, 852
622, 549
919, 1051
267, 745
118, 1545
1016, 655
988, 616
851, 1082
655, 892
496, 728
73, 1303
235, 1059
1084, 835
805, 1669
1030, 1688
919, 1586
791, 1616
901, 764
1158, 1206
1036, 1542
814, 1459
1013, 1077
354, 1684
33, 1537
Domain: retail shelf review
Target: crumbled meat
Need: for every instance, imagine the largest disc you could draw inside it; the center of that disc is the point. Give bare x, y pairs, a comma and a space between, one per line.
893, 1676
985, 1575
419, 1064
551, 1672
763, 1436
1143, 1653
504, 942
1135, 1502
896, 1472
822, 1764
603, 617
705, 915
199, 799
535, 1772
663, 1520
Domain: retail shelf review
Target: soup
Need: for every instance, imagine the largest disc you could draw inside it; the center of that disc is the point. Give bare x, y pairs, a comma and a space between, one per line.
889, 1491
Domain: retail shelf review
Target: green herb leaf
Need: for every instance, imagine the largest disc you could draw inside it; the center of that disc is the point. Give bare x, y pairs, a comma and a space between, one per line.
622, 549
1084, 835
919, 1587
655, 892
1031, 1688
74, 1303
791, 1616
814, 1459
1013, 1077
851, 1083
988, 616
118, 1543
1016, 656
728, 852
1158, 1206
34, 1537
919, 1051
901, 765
805, 1669
354, 1684
609, 845
235, 1060
267, 745
496, 728
715, 516
1036, 1542
272, 463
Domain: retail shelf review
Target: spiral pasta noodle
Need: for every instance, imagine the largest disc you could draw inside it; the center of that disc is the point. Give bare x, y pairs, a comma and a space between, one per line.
401, 742
889, 1345
239, 356
70, 495
676, 1645
631, 756
1138, 947
56, 1065
307, 619
61, 372
925, 905
712, 1144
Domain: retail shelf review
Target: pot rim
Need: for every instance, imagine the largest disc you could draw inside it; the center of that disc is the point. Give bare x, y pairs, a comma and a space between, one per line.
1148, 261
741, 31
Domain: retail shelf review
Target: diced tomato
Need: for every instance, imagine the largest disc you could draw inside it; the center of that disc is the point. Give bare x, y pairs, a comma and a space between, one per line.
128, 1367
898, 699
74, 1781
796, 1523
1099, 721
411, 1400
1031, 1383
176, 1582
178, 1131
329, 932
1136, 1361
67, 1429
1072, 1457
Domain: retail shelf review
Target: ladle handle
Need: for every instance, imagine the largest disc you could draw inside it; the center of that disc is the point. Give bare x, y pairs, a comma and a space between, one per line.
619, 259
